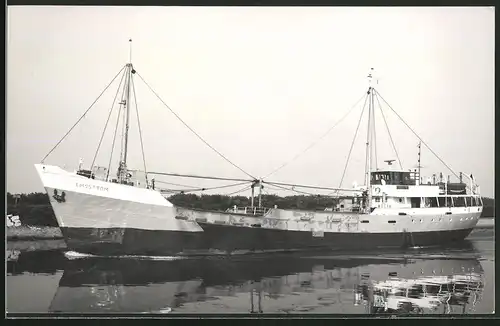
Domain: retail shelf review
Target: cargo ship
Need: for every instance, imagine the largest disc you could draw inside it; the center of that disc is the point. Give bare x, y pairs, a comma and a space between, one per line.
125, 212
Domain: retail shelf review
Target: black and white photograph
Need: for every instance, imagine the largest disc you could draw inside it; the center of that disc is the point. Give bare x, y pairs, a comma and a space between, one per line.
250, 161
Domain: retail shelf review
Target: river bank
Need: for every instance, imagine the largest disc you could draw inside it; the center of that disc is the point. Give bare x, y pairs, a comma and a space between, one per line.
35, 245
22, 233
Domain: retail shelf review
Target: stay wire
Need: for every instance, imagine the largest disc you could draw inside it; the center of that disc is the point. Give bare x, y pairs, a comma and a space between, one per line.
317, 141
139, 125
300, 192
291, 189
107, 121
241, 190
423, 142
220, 187
84, 114
203, 189
353, 140
308, 187
173, 191
199, 176
114, 141
172, 184
388, 131
193, 131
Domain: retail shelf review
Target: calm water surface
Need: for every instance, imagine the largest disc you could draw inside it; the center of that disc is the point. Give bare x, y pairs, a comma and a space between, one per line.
458, 280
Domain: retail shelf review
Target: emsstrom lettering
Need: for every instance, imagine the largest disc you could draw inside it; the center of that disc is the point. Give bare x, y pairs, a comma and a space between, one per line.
91, 187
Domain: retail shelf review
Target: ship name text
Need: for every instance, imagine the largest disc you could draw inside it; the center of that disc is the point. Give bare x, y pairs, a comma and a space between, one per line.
91, 187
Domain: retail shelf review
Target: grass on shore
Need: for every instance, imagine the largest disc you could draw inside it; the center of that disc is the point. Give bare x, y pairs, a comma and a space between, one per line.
33, 233
36, 245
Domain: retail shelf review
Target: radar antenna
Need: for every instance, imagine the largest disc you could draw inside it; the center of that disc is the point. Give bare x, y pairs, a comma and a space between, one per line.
389, 162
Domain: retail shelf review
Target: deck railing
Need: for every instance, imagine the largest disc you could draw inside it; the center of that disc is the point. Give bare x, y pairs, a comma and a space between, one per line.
248, 210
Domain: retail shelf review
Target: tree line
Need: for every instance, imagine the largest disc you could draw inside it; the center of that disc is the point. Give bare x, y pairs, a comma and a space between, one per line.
35, 209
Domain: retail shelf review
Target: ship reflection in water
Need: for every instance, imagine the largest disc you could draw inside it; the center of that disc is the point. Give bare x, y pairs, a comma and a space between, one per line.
397, 282
423, 294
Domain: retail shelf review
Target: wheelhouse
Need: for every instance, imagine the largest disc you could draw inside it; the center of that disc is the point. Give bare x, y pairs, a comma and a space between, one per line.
398, 178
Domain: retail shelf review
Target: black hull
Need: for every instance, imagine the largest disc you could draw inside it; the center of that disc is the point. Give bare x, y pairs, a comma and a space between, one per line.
231, 238
129, 241
223, 239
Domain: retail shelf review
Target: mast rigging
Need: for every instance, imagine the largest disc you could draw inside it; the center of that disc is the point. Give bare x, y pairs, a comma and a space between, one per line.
123, 175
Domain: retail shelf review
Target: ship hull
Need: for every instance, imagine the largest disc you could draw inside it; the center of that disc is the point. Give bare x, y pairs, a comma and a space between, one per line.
132, 241
223, 239
235, 238
104, 218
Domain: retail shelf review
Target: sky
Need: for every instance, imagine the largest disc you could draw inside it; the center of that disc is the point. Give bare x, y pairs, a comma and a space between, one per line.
260, 84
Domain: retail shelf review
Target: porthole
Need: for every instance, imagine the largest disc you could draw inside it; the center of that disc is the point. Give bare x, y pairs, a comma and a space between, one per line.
451, 219
432, 220
413, 221
421, 220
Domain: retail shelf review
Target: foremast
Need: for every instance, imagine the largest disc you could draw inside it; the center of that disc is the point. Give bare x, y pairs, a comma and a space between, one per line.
123, 175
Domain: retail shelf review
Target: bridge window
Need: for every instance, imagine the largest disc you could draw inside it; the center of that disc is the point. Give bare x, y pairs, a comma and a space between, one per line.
459, 201
430, 202
377, 178
392, 178
469, 201
445, 202
396, 178
450, 202
409, 178
415, 202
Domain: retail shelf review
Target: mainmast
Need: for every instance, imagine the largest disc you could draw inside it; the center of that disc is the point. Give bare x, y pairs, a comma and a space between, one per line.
418, 162
368, 144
